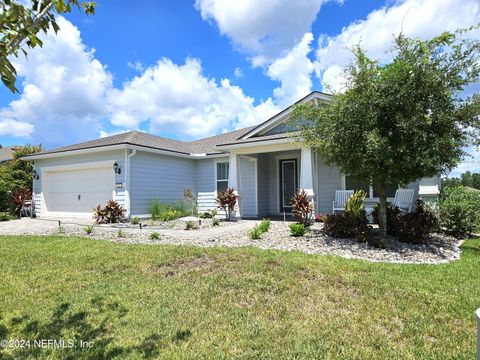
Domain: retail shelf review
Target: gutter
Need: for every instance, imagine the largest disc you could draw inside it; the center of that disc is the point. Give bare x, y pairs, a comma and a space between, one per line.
122, 146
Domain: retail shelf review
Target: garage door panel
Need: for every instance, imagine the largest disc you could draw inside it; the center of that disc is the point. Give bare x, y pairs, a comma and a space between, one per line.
78, 191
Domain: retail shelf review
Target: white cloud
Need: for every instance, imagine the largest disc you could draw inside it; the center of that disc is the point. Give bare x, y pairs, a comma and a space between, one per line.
422, 18
293, 71
68, 97
137, 66
180, 99
104, 133
237, 73
15, 128
64, 89
470, 163
266, 29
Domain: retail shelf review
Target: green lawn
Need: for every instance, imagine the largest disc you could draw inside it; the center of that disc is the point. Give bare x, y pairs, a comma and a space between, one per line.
140, 301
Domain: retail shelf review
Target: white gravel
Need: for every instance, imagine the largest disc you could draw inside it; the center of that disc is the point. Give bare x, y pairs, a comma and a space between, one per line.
439, 250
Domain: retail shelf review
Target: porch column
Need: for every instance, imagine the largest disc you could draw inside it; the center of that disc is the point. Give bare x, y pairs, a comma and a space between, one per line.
306, 174
233, 180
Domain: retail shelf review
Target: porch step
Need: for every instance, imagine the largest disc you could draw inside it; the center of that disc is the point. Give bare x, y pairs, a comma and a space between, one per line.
206, 201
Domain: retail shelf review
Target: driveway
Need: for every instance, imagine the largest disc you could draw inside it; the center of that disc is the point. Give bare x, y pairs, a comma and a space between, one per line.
27, 226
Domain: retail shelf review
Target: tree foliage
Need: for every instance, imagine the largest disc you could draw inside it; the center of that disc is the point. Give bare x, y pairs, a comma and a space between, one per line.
466, 179
400, 121
20, 26
16, 174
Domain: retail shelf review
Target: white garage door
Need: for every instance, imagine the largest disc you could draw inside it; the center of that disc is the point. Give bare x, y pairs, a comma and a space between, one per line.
78, 191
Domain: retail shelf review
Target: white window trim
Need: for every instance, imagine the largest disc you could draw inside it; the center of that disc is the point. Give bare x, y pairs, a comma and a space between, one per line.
216, 161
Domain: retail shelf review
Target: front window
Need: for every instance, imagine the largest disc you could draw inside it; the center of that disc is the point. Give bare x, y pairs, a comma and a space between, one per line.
222, 176
352, 183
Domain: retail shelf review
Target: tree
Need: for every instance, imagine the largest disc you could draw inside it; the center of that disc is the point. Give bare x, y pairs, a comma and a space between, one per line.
466, 179
401, 121
16, 174
20, 26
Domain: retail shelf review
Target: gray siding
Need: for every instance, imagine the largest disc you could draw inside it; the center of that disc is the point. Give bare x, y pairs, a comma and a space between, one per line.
158, 177
205, 184
328, 181
205, 175
248, 196
263, 184
273, 190
118, 156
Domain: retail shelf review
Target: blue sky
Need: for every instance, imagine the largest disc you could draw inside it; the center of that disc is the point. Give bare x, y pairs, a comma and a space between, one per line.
189, 69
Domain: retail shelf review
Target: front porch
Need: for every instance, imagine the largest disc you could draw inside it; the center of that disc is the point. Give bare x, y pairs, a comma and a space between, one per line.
266, 181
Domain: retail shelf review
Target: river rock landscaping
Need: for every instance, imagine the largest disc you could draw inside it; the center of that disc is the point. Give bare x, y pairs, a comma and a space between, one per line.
439, 249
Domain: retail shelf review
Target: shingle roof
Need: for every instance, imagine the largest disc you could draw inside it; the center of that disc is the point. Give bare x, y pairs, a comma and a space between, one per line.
211, 145
208, 145
6, 153
143, 139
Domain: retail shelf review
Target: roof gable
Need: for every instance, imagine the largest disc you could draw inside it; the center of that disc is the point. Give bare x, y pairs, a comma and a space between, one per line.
276, 124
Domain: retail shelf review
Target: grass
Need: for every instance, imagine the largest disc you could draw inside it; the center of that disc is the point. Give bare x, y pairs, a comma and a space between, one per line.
145, 301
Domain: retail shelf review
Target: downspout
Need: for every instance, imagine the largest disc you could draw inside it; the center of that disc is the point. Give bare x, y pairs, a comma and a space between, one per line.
127, 180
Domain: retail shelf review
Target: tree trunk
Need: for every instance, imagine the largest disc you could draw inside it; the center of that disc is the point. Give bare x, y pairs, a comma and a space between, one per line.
382, 211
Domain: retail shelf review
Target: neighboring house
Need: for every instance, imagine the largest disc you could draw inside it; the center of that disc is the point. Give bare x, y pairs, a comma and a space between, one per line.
260, 162
6, 154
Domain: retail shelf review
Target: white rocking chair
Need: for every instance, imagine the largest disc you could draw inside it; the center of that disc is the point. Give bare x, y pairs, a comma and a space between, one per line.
341, 197
404, 199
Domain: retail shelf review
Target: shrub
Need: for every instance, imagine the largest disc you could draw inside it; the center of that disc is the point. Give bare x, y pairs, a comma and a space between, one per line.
6, 217
205, 215
135, 221
297, 229
393, 219
154, 236
190, 225
19, 197
302, 207
258, 230
120, 233
347, 226
264, 225
321, 218
459, 210
354, 204
110, 214
336, 226
167, 212
255, 233
417, 226
215, 222
226, 201
88, 229
208, 214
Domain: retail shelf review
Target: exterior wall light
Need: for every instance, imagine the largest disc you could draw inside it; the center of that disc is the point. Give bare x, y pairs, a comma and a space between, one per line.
36, 176
116, 168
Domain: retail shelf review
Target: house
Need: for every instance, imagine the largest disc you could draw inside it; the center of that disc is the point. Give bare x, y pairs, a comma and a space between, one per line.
6, 154
260, 162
